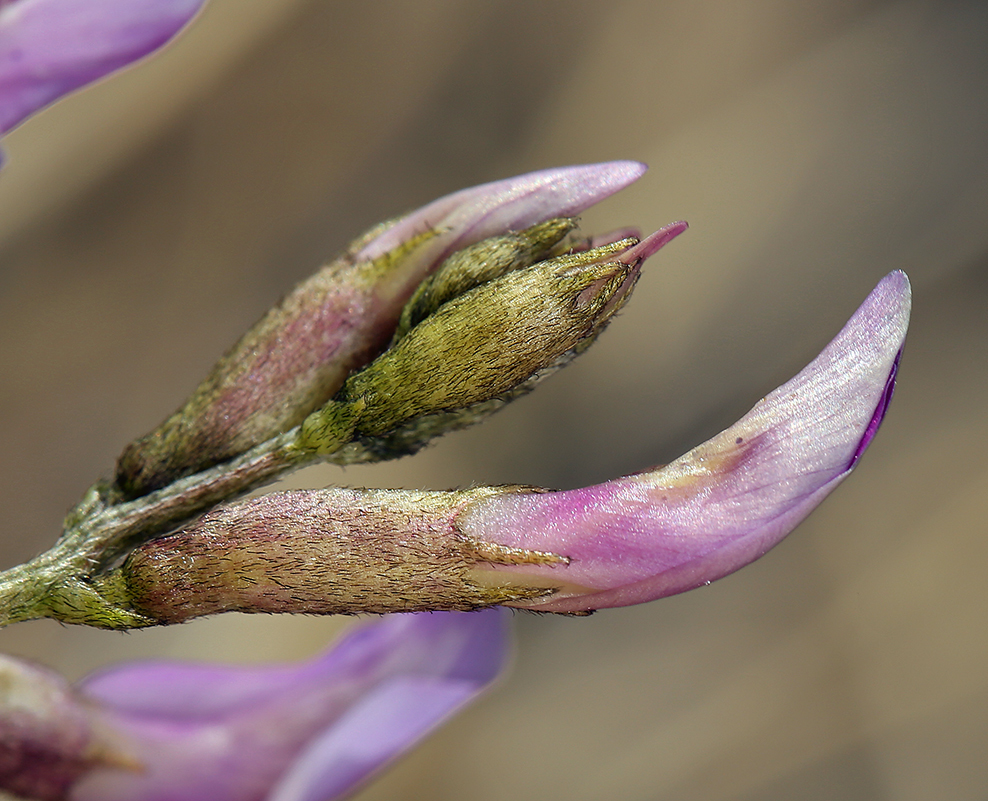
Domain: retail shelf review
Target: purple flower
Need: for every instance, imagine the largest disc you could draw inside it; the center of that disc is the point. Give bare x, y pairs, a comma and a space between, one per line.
723, 504
308, 732
631, 540
50, 47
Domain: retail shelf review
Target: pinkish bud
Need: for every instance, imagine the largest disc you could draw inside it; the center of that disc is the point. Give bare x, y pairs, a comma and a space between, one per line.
330, 551
297, 357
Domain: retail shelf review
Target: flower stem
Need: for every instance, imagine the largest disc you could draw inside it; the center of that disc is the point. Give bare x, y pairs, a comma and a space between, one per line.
99, 531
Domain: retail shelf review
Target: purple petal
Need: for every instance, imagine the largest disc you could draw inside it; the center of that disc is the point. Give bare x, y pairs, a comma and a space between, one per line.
880, 410
380, 727
470, 215
226, 734
190, 692
50, 47
728, 501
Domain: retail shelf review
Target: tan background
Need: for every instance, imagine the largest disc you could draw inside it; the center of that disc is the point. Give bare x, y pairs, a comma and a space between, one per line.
813, 146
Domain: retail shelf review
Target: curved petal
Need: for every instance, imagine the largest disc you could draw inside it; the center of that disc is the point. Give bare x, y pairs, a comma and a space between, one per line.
389, 720
372, 733
470, 215
728, 501
50, 47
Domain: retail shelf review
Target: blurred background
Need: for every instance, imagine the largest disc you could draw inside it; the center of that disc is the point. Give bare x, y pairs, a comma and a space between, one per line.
813, 146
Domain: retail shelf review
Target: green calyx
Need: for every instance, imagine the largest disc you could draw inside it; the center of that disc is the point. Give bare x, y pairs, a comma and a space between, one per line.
480, 263
476, 351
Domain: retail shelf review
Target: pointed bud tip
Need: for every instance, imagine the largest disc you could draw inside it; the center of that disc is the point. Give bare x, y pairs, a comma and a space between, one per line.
652, 243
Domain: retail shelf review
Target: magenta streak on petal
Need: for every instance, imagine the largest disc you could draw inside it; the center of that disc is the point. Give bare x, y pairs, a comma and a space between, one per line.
726, 502
876, 420
51, 47
470, 215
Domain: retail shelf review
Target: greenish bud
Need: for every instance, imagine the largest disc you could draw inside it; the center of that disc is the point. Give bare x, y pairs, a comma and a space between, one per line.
332, 427
474, 354
480, 263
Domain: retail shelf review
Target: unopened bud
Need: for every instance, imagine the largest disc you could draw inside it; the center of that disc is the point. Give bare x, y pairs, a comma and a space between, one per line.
297, 357
480, 263
332, 551
474, 354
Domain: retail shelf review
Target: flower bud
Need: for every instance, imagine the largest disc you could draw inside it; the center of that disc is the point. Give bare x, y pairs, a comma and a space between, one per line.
298, 356
330, 551
477, 352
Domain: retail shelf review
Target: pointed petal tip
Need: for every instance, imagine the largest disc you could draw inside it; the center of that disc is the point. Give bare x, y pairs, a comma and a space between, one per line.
894, 291
877, 330
652, 243
623, 172
899, 280
892, 299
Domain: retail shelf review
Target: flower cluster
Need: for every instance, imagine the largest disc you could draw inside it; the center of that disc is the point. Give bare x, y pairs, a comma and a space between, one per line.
423, 325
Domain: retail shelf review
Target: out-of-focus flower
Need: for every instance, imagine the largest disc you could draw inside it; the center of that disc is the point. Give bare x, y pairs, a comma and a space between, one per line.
297, 356
50, 47
307, 732
714, 510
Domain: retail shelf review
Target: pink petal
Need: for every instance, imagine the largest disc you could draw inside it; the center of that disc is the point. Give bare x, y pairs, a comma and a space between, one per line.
726, 502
